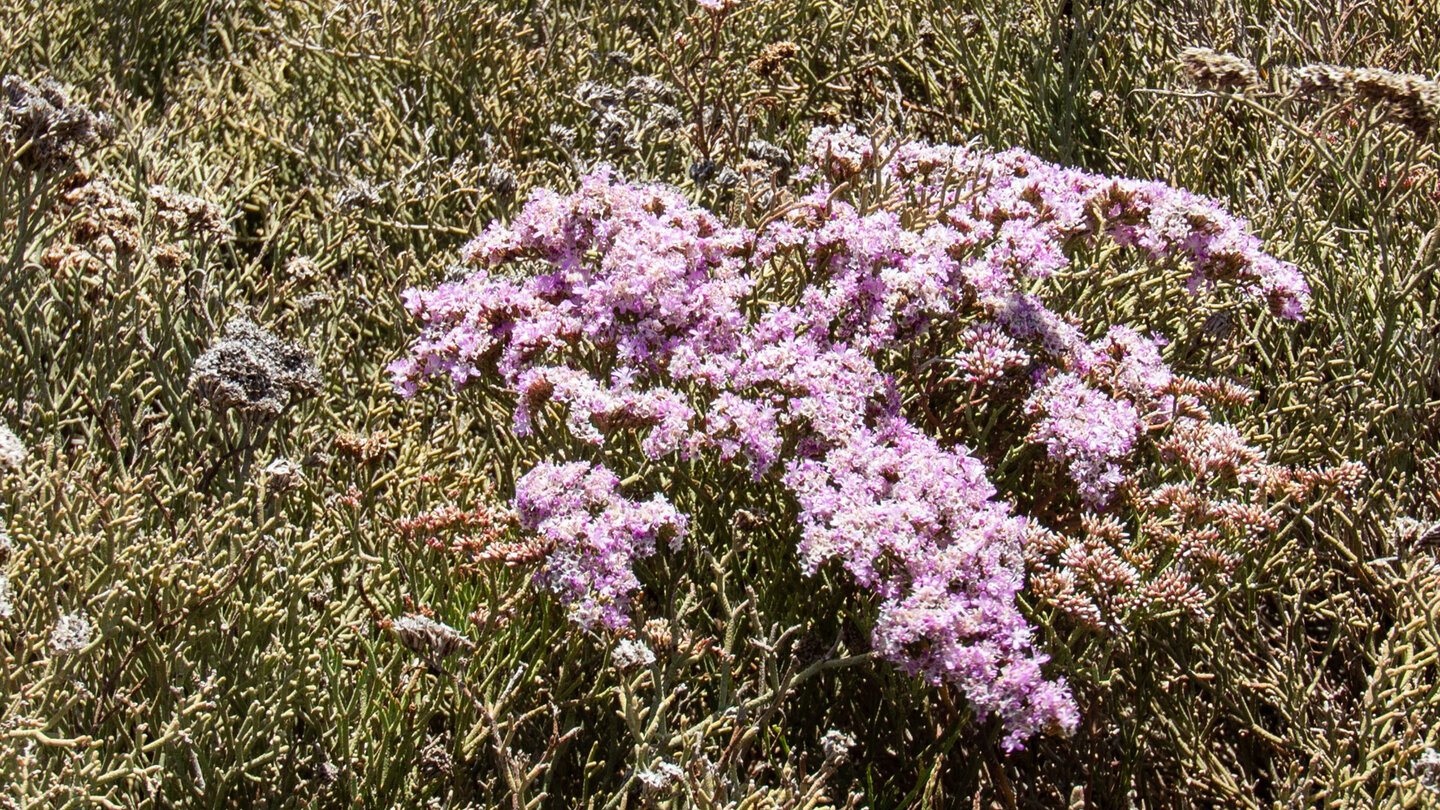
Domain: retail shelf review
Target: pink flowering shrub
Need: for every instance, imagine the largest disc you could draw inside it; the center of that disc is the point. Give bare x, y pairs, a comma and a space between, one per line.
842, 350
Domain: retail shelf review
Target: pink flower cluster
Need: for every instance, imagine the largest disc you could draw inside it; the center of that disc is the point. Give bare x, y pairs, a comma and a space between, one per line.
625, 313
594, 535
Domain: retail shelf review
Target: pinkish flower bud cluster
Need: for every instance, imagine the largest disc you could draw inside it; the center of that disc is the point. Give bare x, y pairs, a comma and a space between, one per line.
623, 313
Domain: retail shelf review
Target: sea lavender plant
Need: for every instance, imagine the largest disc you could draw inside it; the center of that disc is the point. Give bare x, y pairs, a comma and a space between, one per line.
651, 320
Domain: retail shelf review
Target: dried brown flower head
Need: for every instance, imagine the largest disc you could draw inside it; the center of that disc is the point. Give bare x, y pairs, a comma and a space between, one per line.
1411, 101
106, 222
770, 61
43, 129
359, 195
1320, 81
168, 256
365, 449
1408, 99
283, 475
186, 213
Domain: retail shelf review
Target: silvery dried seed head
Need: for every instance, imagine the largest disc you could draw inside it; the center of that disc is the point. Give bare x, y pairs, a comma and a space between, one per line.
615, 131
598, 97
1218, 71
1415, 532
7, 595
562, 135
1409, 100
328, 772
43, 129
629, 654
72, 631
12, 450
499, 179
426, 637
836, 744
665, 116
660, 777
436, 761
303, 269
253, 371
650, 88
313, 301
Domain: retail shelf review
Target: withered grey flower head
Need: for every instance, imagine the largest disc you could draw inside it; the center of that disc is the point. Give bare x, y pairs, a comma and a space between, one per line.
837, 744
498, 179
43, 128
1408, 99
763, 150
650, 88
597, 96
1319, 80
253, 371
629, 654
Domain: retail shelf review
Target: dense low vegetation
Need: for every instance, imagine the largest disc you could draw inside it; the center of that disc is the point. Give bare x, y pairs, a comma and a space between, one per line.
719, 404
